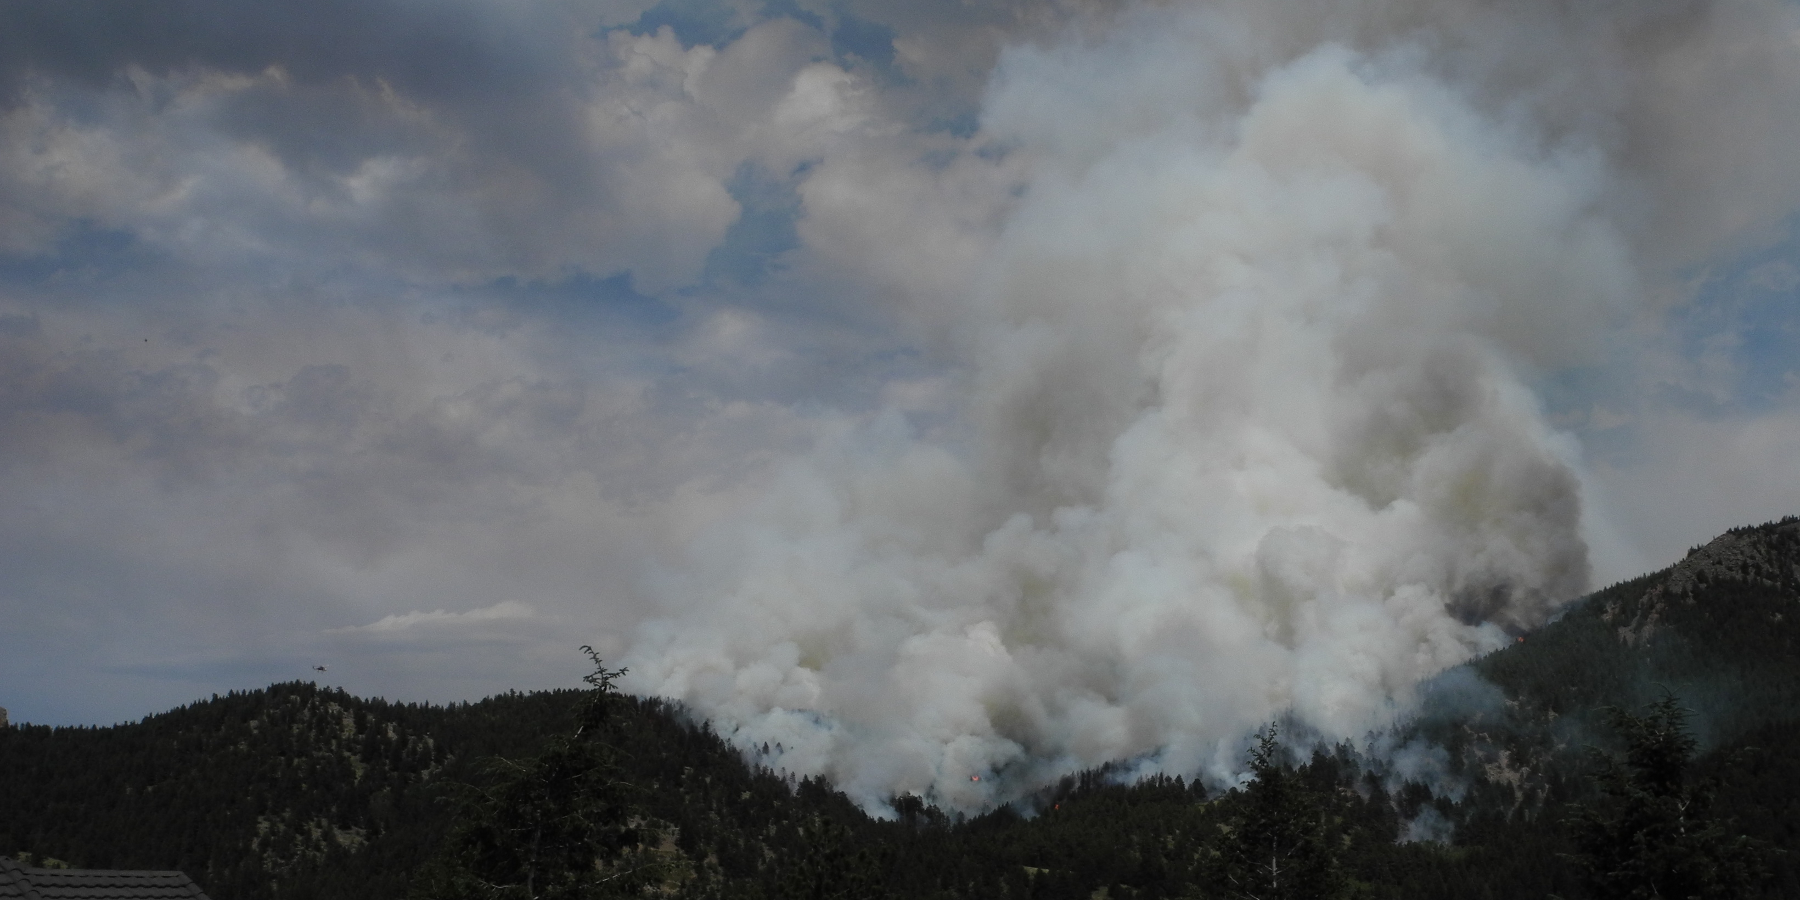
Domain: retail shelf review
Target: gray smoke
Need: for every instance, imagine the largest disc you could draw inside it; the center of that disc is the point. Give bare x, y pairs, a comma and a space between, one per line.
1242, 419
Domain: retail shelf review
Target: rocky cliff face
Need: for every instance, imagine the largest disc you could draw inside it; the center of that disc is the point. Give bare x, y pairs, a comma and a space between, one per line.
1765, 556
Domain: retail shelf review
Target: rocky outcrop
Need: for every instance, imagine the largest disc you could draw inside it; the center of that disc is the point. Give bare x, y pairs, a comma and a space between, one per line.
1766, 555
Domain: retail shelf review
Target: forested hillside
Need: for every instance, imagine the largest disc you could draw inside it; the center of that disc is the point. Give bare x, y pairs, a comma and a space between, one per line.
1662, 709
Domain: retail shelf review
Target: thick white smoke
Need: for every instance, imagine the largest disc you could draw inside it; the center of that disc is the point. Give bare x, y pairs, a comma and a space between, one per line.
1243, 424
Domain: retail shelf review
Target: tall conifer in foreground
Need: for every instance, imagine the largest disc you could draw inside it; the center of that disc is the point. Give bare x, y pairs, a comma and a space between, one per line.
559, 826
1281, 846
1650, 836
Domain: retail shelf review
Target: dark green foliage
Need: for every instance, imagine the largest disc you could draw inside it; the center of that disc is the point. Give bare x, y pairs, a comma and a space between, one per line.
556, 826
733, 832
830, 866
1283, 841
1721, 630
1650, 834
242, 792
302, 793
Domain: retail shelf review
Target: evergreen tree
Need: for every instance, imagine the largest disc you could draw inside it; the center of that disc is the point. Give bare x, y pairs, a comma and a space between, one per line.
830, 866
1650, 836
1281, 845
559, 826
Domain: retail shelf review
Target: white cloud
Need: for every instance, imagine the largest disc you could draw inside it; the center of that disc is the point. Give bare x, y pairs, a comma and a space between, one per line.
437, 618
1124, 375
1244, 424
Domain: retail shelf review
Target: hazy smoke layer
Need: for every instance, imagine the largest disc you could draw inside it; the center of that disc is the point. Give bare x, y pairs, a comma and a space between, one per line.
1243, 424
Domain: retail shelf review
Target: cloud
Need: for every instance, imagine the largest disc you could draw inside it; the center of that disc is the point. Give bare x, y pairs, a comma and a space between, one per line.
503, 611
930, 389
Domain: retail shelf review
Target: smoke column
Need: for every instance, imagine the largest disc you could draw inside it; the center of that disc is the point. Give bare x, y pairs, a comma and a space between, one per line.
1240, 419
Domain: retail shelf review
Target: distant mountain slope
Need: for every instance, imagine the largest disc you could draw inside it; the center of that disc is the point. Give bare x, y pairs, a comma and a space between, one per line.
243, 792
1720, 629
297, 791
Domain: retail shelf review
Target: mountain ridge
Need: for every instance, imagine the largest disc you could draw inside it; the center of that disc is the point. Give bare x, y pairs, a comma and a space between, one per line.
302, 791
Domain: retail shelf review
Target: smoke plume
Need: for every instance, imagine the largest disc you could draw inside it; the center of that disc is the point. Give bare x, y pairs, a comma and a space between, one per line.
1242, 418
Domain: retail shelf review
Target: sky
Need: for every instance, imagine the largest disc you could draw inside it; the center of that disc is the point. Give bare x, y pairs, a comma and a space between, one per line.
921, 390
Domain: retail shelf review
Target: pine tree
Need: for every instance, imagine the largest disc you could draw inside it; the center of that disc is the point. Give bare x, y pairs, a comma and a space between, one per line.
1281, 844
559, 826
1650, 836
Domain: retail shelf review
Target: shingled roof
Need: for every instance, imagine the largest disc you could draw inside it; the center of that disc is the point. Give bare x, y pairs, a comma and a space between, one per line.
25, 883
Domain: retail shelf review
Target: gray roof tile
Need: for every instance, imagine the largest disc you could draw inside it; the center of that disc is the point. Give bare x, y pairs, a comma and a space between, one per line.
26, 883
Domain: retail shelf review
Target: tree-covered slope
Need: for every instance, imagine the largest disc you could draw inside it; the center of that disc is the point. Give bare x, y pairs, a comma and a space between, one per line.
249, 790
297, 791
1720, 629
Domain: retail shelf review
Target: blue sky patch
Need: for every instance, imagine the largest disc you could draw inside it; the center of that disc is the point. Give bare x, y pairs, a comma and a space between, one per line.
765, 228
777, 8
694, 22
1749, 313
866, 40
87, 250
580, 297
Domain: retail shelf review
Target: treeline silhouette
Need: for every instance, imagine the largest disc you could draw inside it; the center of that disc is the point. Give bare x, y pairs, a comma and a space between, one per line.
1530, 786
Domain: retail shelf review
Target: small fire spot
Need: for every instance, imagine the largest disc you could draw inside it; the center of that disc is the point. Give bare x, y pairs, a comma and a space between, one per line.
974, 777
